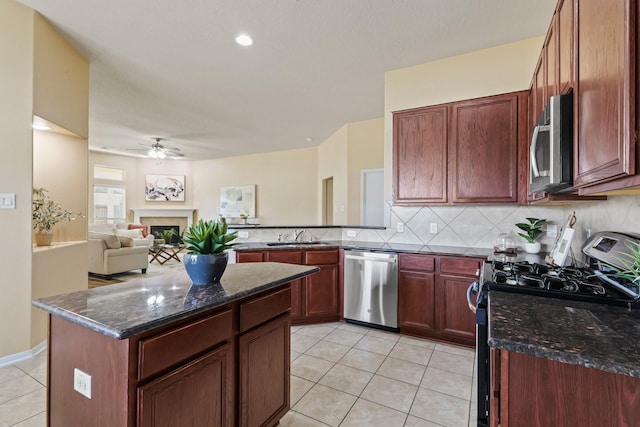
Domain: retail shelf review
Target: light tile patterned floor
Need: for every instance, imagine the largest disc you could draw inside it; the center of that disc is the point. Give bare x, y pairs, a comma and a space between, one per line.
341, 375
349, 375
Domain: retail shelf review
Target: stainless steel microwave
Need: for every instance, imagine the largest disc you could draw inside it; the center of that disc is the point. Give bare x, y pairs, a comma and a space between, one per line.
551, 150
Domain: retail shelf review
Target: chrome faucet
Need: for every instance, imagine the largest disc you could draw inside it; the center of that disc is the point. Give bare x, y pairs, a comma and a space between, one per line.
296, 234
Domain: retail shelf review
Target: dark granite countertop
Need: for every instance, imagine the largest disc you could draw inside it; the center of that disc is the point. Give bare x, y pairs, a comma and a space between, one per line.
126, 309
591, 335
377, 246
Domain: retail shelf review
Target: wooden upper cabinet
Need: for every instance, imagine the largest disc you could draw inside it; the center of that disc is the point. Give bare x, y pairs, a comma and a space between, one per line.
484, 150
420, 156
606, 91
564, 31
550, 51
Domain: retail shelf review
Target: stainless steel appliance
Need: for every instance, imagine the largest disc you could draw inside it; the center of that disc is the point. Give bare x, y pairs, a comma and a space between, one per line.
593, 283
551, 150
371, 288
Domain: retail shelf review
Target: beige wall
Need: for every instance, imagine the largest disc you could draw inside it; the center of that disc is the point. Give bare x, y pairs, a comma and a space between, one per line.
26, 42
333, 163
500, 69
53, 154
16, 87
365, 150
285, 185
61, 80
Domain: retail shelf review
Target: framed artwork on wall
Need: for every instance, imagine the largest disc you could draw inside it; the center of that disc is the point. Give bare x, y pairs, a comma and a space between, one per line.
237, 201
164, 188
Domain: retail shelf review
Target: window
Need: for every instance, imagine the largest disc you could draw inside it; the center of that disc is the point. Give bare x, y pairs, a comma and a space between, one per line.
109, 201
109, 204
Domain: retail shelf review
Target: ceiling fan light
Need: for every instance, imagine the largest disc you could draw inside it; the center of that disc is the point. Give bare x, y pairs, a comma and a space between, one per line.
153, 154
160, 154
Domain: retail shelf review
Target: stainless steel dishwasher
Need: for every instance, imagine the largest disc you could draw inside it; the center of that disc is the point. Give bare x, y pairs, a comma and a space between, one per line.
371, 287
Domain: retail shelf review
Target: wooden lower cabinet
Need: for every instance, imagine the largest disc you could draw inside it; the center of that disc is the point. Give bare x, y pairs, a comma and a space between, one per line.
416, 302
199, 393
264, 373
432, 297
226, 367
316, 298
532, 391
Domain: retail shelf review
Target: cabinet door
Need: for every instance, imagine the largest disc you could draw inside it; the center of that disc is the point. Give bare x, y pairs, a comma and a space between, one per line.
550, 52
264, 373
322, 293
455, 320
484, 150
244, 256
197, 394
416, 308
420, 156
564, 33
605, 125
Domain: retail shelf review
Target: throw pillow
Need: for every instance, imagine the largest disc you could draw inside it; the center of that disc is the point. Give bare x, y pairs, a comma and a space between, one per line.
144, 228
134, 234
112, 242
126, 242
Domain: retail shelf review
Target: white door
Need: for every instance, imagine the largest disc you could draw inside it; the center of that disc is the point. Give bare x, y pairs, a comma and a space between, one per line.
372, 197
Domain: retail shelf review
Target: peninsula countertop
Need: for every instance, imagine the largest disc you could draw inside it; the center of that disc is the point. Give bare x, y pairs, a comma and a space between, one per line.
130, 308
591, 335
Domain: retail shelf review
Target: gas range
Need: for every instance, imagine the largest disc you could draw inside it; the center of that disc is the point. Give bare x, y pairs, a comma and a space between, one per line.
571, 283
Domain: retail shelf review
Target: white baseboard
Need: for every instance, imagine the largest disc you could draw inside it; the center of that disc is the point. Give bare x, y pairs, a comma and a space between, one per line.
23, 355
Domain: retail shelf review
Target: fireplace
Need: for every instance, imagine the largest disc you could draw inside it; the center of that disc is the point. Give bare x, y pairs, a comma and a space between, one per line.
157, 230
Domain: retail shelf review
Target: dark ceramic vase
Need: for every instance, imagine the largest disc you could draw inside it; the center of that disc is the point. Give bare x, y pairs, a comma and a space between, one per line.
205, 269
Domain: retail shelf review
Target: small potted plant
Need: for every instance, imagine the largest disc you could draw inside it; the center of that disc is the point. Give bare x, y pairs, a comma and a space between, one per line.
206, 257
631, 263
166, 235
532, 231
47, 213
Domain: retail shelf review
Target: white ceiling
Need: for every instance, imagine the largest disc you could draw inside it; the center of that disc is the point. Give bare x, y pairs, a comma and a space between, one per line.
171, 69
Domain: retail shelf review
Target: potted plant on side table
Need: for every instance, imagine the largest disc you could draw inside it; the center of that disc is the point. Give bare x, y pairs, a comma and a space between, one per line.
47, 213
206, 257
532, 231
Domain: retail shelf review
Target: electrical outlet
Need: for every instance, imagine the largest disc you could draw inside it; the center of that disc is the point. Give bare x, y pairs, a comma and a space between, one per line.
243, 234
351, 233
82, 382
552, 230
433, 228
7, 201
401, 227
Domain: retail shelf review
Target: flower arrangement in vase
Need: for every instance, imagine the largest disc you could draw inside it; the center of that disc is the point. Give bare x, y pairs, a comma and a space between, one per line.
47, 213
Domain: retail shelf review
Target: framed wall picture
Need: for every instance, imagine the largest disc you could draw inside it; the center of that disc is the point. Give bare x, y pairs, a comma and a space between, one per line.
238, 200
164, 188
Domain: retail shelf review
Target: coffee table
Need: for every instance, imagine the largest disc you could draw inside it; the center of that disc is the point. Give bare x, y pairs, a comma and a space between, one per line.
163, 253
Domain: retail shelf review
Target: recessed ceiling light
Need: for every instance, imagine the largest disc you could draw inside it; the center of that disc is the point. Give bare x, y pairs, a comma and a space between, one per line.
310, 140
244, 40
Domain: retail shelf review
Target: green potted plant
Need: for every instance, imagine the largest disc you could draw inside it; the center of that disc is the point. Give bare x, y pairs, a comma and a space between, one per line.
166, 235
631, 263
531, 231
206, 257
47, 213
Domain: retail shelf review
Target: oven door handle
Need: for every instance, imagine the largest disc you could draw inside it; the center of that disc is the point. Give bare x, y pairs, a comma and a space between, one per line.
472, 290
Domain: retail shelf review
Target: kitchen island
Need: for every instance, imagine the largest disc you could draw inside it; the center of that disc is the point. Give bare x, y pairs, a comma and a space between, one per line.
159, 351
563, 363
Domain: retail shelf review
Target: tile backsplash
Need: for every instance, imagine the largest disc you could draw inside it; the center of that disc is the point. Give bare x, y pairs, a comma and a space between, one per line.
478, 226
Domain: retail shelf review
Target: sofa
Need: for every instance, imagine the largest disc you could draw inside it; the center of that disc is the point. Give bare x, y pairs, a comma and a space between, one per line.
114, 250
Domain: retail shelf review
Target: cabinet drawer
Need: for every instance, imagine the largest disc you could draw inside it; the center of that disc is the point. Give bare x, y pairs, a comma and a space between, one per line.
416, 262
177, 345
249, 257
290, 257
261, 309
321, 257
465, 266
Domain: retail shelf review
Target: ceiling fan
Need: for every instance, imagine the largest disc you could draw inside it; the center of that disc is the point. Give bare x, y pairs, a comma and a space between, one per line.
159, 151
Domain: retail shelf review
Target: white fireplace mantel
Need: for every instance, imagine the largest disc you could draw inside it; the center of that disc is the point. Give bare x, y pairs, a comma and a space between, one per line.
164, 212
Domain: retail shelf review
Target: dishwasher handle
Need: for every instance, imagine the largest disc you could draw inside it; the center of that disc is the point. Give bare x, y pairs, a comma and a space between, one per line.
393, 260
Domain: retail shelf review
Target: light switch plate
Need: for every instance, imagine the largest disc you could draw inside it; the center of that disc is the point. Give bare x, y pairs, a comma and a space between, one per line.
433, 228
401, 227
7, 201
351, 233
243, 234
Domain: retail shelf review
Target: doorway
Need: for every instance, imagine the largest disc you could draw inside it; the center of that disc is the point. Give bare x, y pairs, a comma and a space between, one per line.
372, 197
327, 201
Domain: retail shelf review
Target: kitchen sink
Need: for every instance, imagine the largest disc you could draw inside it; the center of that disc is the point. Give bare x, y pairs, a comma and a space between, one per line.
315, 242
